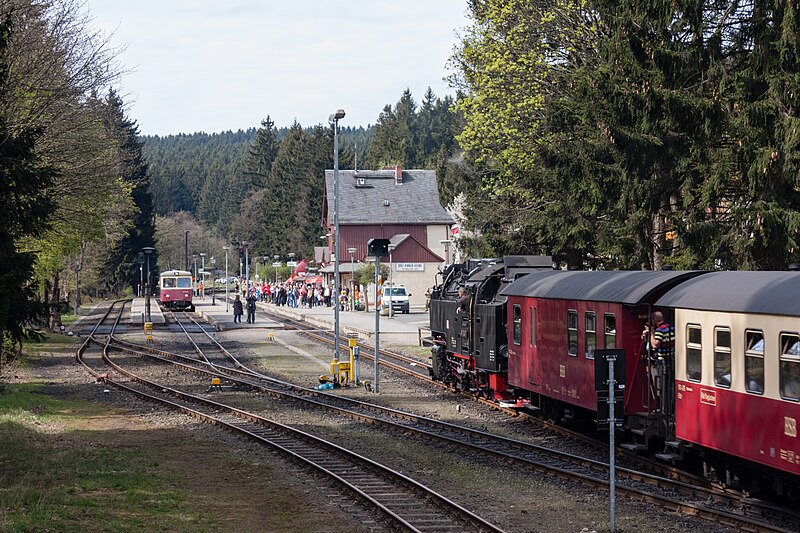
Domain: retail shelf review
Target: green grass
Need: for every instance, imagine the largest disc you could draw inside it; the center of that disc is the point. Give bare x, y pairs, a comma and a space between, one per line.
77, 481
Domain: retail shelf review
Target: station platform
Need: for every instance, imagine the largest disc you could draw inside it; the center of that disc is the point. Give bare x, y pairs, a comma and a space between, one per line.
400, 329
137, 315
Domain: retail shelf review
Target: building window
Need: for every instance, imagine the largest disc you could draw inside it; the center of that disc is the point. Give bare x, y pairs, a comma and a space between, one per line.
694, 352
517, 325
754, 361
591, 334
790, 367
722, 357
572, 332
610, 331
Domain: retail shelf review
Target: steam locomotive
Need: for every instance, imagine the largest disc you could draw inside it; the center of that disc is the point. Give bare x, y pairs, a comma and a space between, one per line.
727, 398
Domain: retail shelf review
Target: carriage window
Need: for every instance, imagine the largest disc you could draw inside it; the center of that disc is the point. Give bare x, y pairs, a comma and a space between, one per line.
572, 332
722, 357
610, 328
517, 325
754, 361
694, 353
184, 283
790, 367
591, 335
530, 326
168, 283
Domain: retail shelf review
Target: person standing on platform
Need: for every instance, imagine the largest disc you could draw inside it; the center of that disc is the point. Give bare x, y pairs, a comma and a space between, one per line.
251, 308
238, 310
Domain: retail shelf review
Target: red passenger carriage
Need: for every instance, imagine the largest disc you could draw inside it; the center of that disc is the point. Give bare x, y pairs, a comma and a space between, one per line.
176, 289
737, 373
558, 319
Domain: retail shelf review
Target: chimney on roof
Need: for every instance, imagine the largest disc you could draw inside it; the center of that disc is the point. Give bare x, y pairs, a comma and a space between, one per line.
398, 174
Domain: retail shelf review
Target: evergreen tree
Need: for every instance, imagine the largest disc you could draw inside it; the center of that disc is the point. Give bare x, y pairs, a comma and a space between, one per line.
25, 205
261, 154
121, 266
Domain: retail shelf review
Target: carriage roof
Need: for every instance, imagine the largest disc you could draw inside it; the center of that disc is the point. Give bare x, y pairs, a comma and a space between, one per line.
175, 273
771, 293
626, 287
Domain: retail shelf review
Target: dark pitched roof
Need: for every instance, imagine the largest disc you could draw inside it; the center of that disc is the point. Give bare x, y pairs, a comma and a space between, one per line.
627, 287
414, 201
772, 293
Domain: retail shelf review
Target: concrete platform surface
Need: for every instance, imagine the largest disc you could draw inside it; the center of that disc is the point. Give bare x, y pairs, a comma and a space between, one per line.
137, 315
400, 329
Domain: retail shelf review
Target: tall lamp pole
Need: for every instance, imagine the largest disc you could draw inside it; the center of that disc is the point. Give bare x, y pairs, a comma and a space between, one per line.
390, 292
276, 264
446, 244
213, 282
203, 272
246, 266
227, 280
194, 271
334, 121
147, 251
351, 251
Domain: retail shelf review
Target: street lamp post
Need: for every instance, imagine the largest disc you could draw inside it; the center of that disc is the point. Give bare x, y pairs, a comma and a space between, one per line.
147, 251
334, 121
77, 288
227, 279
391, 282
246, 266
446, 244
213, 282
203, 272
276, 265
351, 251
194, 272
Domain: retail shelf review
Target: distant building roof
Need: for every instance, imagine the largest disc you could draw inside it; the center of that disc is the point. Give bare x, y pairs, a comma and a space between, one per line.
394, 196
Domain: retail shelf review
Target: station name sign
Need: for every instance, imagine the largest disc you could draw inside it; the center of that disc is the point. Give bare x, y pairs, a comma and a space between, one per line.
410, 267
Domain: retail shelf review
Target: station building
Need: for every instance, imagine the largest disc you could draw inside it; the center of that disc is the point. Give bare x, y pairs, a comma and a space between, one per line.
396, 204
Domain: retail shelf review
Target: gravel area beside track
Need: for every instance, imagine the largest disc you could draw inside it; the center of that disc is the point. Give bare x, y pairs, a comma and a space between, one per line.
498, 492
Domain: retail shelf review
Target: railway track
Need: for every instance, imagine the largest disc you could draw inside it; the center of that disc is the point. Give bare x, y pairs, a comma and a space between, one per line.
720, 506
398, 499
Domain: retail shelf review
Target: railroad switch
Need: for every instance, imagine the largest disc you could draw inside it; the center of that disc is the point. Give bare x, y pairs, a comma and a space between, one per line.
340, 370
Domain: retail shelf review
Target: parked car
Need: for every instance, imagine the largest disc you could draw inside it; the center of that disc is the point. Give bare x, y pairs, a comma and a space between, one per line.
397, 296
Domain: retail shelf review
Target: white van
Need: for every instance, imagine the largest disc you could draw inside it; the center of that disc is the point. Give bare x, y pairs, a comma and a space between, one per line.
398, 297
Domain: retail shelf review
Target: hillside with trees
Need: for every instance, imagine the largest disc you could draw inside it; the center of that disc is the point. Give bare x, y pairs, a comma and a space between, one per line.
75, 193
265, 185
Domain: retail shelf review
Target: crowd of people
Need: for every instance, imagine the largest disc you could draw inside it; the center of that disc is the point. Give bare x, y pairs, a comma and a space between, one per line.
297, 294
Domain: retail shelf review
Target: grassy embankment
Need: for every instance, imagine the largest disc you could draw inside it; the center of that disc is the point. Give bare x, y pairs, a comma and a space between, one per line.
61, 472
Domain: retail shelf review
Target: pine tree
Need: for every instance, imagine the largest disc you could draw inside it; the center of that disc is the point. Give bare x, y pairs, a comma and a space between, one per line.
261, 154
121, 267
25, 206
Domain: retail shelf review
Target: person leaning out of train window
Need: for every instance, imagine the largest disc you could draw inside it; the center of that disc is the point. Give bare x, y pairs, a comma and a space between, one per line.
463, 300
661, 338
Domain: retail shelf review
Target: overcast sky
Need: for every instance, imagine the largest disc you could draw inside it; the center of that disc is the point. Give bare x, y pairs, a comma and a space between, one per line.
215, 65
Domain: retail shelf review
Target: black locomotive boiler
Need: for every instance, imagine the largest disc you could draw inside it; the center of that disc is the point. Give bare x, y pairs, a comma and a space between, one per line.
470, 344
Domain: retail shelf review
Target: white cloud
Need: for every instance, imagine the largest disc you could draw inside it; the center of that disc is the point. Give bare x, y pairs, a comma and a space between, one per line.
209, 66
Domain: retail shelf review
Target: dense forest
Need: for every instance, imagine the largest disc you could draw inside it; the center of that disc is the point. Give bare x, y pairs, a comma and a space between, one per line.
608, 134
75, 194
264, 186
